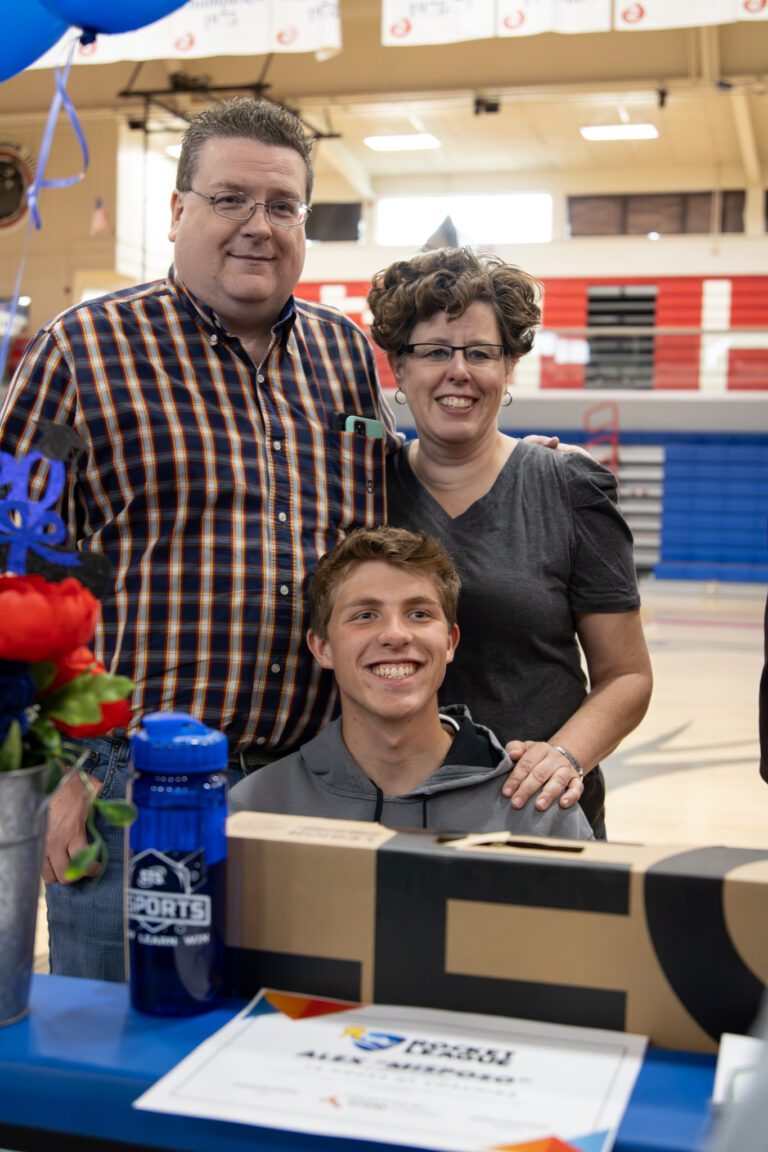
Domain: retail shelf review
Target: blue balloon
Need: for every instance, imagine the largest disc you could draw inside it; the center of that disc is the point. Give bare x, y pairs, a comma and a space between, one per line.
101, 16
30, 30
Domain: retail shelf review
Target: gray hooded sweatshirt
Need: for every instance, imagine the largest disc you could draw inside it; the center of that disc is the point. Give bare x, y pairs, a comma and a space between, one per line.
322, 779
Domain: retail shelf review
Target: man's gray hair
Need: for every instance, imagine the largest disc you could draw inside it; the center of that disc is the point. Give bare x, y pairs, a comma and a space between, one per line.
243, 118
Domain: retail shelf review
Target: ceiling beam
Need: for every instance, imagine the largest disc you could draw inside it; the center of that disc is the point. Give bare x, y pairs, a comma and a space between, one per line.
336, 153
709, 54
597, 92
745, 134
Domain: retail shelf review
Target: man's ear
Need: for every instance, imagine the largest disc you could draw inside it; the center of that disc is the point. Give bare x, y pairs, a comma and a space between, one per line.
177, 207
320, 649
453, 642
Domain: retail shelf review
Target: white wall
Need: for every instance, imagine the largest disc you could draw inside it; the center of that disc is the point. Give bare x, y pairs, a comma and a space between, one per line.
594, 256
145, 179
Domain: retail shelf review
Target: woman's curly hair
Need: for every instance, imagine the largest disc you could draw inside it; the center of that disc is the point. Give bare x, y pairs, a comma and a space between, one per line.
449, 280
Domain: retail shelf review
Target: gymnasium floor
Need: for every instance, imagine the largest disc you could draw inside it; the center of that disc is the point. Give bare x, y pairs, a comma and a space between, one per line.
689, 773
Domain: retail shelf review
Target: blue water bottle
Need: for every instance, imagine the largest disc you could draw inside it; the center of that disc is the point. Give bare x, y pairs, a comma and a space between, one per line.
176, 895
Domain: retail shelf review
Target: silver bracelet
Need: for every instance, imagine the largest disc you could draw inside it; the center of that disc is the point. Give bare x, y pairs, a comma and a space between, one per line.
571, 760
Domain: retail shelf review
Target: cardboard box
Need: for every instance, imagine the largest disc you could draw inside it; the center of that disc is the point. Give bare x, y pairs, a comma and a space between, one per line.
668, 942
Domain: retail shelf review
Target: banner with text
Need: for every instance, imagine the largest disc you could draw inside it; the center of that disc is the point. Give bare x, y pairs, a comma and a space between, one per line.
411, 22
653, 14
218, 28
422, 22
530, 17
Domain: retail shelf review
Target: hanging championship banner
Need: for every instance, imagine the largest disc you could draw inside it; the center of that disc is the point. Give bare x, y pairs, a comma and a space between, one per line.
218, 28
436, 21
631, 16
530, 17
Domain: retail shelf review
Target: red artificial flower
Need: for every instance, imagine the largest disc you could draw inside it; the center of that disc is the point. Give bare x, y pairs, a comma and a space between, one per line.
40, 620
114, 713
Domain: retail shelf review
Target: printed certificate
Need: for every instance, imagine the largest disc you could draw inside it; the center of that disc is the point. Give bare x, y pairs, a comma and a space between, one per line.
412, 1076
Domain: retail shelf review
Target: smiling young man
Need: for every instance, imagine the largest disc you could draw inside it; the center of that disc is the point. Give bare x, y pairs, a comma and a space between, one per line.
383, 619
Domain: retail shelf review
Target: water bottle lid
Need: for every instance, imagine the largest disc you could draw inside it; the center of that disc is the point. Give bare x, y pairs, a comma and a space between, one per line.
175, 742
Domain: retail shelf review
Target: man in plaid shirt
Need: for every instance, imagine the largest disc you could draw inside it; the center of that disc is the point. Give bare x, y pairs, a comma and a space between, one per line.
212, 405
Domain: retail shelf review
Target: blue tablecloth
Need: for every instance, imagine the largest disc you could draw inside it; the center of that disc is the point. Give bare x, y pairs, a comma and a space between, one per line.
82, 1056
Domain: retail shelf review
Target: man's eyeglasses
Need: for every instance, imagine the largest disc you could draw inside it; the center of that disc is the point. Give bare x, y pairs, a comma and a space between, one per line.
238, 206
475, 354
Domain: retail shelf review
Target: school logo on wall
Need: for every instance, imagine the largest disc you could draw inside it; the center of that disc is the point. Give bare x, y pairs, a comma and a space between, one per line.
17, 170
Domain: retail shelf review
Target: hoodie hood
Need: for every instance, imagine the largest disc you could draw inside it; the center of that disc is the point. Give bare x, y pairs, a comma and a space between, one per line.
327, 759
322, 779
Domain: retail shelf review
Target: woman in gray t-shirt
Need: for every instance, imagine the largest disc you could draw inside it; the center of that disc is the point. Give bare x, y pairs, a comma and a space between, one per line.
544, 555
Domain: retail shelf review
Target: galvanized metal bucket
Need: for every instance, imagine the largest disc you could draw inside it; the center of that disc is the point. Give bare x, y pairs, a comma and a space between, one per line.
23, 819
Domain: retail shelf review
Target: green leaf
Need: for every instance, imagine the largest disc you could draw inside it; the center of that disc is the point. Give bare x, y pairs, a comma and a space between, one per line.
53, 778
82, 861
45, 736
11, 749
120, 813
75, 711
42, 745
109, 688
78, 702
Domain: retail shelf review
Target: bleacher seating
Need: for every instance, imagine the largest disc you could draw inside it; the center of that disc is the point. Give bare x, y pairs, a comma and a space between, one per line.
714, 523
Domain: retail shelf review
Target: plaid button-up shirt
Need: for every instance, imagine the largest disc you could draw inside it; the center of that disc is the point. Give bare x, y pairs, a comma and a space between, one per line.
213, 486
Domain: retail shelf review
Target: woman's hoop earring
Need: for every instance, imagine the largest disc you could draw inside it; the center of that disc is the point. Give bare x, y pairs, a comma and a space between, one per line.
398, 394
507, 399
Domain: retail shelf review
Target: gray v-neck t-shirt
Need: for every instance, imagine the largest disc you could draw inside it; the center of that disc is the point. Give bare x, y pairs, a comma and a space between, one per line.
545, 542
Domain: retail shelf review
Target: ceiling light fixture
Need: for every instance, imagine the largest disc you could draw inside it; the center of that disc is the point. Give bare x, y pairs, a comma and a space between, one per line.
412, 142
620, 132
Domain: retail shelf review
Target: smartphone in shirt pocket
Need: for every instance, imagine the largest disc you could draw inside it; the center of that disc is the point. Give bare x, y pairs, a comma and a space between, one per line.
357, 489
360, 426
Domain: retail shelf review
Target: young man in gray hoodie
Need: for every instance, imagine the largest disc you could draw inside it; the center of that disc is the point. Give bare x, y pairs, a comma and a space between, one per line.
383, 618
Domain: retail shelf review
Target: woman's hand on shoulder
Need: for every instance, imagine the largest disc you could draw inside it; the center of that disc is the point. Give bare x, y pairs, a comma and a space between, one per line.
554, 442
540, 766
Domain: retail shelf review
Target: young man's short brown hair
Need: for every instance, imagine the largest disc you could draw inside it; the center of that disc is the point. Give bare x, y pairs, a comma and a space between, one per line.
411, 551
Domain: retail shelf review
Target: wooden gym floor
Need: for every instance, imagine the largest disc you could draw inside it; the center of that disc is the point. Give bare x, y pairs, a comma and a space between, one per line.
689, 773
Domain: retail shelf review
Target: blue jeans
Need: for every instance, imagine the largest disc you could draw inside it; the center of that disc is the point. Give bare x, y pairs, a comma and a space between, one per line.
85, 919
